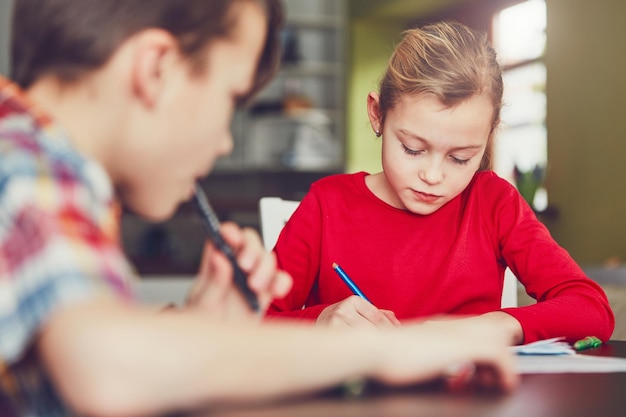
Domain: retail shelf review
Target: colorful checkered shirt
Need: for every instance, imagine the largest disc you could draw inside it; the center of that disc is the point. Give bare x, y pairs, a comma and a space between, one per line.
59, 244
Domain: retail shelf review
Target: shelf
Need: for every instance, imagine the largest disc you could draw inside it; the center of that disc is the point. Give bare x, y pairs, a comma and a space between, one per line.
310, 69
323, 116
276, 170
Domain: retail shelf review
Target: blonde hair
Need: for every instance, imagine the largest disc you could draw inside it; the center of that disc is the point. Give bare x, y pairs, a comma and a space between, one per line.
451, 62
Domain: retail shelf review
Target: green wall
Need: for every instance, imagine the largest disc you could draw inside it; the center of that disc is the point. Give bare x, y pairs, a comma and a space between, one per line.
371, 44
586, 119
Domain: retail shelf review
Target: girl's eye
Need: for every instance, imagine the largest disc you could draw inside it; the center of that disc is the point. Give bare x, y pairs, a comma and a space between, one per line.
459, 161
409, 151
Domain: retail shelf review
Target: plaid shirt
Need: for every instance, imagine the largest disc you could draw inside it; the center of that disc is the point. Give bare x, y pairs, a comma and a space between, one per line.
58, 244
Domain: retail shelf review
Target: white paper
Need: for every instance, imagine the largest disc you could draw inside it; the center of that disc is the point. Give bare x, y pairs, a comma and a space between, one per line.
576, 363
554, 346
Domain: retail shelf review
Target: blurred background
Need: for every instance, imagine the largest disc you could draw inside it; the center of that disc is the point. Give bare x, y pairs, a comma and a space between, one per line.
562, 142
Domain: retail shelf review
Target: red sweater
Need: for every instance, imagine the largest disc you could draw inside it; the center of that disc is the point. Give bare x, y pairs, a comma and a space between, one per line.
449, 262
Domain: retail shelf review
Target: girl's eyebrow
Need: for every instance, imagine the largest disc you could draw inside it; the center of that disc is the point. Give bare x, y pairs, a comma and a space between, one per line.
425, 141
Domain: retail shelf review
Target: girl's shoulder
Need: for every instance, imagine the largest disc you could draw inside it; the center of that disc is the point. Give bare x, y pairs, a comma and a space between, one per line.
339, 182
490, 184
492, 193
495, 197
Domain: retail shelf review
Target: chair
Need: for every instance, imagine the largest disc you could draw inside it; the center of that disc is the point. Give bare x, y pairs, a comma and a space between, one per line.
274, 213
509, 290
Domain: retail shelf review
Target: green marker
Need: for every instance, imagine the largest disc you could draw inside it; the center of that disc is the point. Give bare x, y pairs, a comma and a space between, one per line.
588, 342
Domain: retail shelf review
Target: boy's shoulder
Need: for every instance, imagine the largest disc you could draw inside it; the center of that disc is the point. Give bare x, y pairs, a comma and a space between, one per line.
33, 155
22, 127
25, 150
20, 150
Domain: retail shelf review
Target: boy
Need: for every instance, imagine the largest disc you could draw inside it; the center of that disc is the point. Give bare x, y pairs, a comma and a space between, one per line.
121, 103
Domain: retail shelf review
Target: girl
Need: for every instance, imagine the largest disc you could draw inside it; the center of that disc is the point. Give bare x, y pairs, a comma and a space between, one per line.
433, 233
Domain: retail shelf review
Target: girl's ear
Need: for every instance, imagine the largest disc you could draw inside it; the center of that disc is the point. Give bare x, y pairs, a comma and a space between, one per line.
373, 112
154, 53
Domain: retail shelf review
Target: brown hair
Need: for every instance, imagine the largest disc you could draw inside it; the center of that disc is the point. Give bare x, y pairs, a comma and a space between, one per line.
450, 61
68, 38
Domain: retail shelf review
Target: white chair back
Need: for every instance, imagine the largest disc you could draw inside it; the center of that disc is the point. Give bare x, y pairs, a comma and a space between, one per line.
274, 213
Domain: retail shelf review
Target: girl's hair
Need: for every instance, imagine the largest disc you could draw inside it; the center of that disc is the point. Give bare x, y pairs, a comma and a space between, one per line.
451, 62
69, 38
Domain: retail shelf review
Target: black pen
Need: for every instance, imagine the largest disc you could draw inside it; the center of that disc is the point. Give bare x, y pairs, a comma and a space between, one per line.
212, 226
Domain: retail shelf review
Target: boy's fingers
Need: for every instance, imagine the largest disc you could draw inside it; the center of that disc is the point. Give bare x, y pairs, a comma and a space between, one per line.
262, 275
246, 244
281, 284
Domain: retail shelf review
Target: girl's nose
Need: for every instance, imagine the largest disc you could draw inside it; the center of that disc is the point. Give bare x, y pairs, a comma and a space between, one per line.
431, 172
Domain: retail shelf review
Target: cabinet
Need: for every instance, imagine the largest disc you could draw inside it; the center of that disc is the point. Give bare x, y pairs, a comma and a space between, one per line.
291, 135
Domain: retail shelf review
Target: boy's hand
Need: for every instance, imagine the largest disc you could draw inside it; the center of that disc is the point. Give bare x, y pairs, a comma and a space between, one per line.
507, 324
354, 311
468, 355
214, 291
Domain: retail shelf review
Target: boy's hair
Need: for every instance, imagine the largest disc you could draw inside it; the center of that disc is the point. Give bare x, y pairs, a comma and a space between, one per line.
68, 38
450, 61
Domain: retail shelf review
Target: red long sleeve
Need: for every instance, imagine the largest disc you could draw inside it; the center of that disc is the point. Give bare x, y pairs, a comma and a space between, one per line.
448, 262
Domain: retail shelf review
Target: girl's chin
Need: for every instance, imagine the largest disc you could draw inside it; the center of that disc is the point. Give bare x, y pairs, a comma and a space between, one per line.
421, 208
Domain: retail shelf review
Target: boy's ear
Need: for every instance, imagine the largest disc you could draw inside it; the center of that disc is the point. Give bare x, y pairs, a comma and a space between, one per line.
154, 53
373, 111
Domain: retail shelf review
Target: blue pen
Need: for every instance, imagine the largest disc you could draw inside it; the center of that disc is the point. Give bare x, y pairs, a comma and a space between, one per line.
342, 274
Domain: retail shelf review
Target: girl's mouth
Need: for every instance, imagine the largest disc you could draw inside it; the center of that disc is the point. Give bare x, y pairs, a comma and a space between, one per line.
425, 197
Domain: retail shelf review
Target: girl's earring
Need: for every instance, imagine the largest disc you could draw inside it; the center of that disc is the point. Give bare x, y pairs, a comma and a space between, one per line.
377, 132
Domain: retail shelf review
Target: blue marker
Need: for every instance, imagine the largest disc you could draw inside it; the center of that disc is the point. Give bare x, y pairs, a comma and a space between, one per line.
342, 274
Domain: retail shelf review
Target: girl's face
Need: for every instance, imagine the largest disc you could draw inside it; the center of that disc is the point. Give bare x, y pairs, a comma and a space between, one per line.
429, 152
189, 126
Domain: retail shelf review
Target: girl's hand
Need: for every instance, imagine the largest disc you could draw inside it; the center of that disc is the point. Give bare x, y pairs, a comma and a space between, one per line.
214, 291
354, 311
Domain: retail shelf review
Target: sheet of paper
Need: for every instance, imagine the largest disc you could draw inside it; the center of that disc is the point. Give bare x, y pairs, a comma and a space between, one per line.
576, 363
554, 346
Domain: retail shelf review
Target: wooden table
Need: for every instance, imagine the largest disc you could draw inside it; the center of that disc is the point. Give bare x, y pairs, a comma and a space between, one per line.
538, 395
